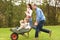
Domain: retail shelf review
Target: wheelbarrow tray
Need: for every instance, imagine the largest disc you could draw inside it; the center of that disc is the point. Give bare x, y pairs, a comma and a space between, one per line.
14, 30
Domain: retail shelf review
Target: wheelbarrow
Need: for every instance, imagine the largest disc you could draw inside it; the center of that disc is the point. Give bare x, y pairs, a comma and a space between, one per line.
15, 33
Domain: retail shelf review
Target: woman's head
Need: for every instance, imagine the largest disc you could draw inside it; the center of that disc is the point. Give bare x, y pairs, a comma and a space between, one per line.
29, 6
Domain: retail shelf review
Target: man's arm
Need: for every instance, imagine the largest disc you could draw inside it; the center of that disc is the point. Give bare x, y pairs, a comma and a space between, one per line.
36, 23
39, 14
37, 18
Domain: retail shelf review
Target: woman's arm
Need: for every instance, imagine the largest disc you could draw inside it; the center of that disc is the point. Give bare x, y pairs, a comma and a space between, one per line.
29, 13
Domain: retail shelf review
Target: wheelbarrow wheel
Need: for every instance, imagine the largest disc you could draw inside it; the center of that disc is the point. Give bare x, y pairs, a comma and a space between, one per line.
14, 36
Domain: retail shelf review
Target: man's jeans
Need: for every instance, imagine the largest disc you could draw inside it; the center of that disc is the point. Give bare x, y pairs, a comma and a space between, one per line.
40, 28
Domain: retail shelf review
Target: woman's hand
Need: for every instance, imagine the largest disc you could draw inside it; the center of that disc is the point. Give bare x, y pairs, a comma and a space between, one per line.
26, 12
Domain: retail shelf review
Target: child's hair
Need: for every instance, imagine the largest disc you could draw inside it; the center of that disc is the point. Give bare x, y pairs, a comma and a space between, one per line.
26, 19
21, 21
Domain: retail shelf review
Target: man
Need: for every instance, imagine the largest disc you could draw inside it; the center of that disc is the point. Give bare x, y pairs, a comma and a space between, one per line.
40, 20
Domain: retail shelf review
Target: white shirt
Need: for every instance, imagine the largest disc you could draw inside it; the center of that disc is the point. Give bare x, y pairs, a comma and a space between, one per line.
27, 26
29, 12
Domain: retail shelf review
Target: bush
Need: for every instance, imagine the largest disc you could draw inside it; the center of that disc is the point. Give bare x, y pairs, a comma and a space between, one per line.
11, 15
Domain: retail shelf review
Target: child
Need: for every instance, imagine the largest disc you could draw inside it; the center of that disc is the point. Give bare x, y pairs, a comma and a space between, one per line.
27, 24
21, 25
24, 24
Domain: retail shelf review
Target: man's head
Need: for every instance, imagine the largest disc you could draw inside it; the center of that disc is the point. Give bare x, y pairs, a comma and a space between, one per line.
34, 6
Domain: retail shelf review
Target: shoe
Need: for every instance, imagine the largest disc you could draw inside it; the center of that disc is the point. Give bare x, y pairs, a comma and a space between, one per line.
36, 39
50, 33
22, 33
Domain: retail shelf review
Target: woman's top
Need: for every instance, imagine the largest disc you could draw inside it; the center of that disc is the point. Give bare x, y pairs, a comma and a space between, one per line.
28, 13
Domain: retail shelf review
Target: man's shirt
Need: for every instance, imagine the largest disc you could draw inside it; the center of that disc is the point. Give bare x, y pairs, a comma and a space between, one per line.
39, 15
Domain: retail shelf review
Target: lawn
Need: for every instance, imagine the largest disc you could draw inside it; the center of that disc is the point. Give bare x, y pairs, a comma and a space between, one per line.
5, 34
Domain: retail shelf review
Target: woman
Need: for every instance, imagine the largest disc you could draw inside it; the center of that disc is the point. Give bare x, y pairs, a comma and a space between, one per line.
29, 13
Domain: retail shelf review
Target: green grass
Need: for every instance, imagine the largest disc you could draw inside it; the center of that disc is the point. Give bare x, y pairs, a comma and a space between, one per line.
5, 34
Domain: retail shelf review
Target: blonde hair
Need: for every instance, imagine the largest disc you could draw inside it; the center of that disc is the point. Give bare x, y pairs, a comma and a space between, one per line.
26, 19
34, 4
21, 21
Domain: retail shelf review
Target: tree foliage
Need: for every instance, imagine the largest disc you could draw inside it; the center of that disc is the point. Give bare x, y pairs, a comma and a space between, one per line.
11, 15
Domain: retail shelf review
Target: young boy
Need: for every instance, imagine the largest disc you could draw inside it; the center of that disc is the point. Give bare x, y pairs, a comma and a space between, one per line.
24, 24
